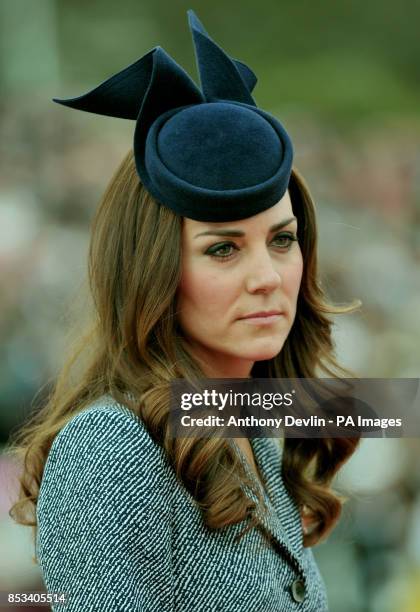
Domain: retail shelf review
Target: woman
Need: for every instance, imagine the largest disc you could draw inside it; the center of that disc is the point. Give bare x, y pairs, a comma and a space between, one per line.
202, 263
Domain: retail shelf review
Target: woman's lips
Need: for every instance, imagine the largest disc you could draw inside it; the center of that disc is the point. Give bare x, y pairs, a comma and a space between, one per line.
263, 318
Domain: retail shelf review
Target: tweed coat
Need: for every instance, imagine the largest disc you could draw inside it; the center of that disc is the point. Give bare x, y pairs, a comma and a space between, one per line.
118, 532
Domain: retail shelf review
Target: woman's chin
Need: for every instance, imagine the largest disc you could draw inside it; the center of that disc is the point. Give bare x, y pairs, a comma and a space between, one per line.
263, 353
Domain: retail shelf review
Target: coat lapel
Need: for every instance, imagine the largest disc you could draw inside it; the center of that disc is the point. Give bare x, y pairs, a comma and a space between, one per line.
282, 520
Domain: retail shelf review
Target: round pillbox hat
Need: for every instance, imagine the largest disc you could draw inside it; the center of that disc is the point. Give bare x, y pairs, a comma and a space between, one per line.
208, 154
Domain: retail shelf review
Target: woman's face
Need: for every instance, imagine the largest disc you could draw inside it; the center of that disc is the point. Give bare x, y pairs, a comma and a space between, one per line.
231, 271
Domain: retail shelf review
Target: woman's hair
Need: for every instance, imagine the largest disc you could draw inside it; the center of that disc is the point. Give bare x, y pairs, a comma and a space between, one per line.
133, 347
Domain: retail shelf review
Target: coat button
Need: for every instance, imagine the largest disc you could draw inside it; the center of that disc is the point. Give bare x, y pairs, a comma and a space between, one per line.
298, 590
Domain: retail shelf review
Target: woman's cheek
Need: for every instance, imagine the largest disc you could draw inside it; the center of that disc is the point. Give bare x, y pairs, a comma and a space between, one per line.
216, 292
293, 277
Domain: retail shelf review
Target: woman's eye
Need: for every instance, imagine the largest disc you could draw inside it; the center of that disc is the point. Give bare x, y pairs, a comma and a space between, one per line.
284, 240
224, 250
221, 250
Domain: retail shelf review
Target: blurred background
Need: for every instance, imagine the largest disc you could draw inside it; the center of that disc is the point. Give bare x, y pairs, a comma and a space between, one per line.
343, 77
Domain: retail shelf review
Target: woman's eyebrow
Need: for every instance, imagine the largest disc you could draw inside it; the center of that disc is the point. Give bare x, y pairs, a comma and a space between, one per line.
233, 233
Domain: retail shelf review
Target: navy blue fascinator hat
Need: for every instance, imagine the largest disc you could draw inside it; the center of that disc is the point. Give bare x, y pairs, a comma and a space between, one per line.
209, 154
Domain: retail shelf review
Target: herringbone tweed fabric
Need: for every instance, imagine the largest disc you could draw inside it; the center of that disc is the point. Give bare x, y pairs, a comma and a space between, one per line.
118, 532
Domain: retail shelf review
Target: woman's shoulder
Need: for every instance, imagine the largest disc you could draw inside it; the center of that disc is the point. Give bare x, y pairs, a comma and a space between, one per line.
105, 429
104, 479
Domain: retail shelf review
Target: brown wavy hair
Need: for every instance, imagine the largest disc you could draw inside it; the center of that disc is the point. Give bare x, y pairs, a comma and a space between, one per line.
133, 347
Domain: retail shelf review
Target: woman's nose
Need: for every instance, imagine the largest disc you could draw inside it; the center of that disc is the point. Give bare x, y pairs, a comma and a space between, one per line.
262, 274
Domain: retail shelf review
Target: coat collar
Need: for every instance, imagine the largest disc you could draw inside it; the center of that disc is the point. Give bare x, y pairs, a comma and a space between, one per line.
282, 520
